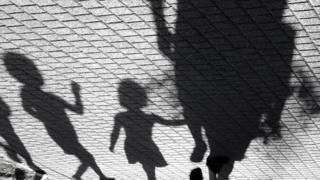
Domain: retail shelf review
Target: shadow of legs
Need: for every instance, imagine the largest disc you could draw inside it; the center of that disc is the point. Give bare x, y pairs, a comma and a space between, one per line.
226, 171
19, 149
150, 170
200, 146
81, 169
87, 160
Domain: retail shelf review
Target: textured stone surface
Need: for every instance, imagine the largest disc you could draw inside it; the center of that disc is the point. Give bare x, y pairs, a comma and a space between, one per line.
98, 43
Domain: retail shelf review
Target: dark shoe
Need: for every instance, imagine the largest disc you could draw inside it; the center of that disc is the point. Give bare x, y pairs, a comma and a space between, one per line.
198, 152
215, 163
196, 174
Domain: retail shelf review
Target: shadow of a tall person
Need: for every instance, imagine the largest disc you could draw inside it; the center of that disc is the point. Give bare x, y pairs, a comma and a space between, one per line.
232, 62
50, 109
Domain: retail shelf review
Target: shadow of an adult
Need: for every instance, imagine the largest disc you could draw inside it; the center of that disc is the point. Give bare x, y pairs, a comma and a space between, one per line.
232, 63
139, 146
51, 110
15, 146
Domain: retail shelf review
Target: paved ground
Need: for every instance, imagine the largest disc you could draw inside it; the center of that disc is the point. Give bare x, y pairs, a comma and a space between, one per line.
98, 43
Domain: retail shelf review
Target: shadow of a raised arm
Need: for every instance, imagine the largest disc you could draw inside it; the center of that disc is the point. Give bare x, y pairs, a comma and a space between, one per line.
162, 121
164, 37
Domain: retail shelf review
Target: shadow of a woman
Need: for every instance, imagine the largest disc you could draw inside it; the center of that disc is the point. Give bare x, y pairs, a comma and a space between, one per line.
232, 62
15, 146
139, 146
50, 109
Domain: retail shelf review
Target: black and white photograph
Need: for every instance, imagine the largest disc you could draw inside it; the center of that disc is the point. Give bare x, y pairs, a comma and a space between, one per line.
159, 89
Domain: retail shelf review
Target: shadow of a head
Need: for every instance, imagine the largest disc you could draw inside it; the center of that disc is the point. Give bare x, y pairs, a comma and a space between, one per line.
23, 69
132, 95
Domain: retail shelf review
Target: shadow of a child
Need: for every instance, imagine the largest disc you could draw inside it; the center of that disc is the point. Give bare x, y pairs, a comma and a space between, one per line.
139, 146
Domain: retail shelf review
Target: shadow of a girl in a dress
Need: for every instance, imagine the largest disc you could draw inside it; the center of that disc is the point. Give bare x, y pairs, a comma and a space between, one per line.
139, 146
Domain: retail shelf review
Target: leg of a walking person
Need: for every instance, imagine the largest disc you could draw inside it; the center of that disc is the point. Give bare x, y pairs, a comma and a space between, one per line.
80, 171
150, 170
226, 171
195, 125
